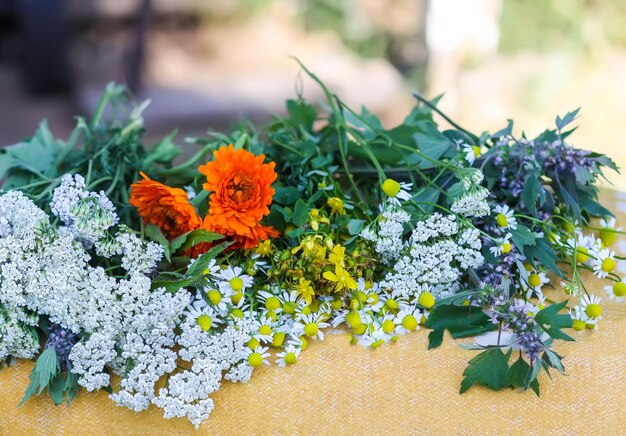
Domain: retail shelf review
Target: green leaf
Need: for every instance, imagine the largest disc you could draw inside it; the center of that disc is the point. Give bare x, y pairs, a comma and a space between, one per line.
355, 226
532, 193
46, 368
522, 236
286, 195
173, 285
302, 114
567, 119
202, 262
542, 252
460, 321
300, 213
553, 360
163, 152
551, 321
489, 369
199, 236
517, 375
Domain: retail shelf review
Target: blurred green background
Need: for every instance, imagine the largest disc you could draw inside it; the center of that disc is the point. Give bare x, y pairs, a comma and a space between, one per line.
205, 64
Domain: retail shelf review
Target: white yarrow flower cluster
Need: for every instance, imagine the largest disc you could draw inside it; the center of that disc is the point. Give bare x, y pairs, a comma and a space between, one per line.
439, 253
388, 240
88, 215
473, 203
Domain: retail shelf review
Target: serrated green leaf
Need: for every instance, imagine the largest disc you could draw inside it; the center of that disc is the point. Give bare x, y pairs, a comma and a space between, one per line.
551, 321
460, 321
199, 236
202, 262
46, 368
553, 360
286, 195
489, 369
522, 236
518, 373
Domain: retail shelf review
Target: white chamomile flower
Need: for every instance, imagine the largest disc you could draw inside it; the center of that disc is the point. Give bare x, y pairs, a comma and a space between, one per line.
270, 300
212, 269
472, 152
310, 325
289, 355
505, 218
608, 232
580, 320
617, 290
218, 300
604, 262
264, 329
233, 280
408, 319
258, 356
396, 191
240, 314
591, 305
290, 301
391, 304
503, 245
374, 337
204, 315
535, 282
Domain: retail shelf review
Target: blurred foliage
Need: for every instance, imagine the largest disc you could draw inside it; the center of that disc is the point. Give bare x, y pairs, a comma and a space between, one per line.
574, 24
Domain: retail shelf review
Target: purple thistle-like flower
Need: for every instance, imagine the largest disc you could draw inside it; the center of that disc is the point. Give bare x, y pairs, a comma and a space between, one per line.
531, 344
62, 340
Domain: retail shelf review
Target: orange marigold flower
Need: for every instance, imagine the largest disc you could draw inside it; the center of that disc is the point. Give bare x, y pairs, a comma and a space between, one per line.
166, 207
241, 192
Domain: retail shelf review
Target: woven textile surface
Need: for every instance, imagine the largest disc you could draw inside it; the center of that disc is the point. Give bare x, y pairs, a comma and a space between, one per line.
397, 389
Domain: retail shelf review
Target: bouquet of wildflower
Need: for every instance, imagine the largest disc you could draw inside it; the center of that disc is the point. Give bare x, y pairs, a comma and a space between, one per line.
120, 270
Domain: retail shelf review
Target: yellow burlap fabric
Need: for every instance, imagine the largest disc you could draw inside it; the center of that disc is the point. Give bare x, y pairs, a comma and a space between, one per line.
401, 389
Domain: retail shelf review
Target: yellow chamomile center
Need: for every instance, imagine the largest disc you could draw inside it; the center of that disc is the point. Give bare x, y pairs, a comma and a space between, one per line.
409, 322
204, 321
336, 304
388, 326
237, 313
236, 297
501, 220
215, 296
619, 289
359, 329
426, 299
290, 358
391, 304
593, 310
272, 303
236, 284
506, 247
391, 187
377, 343
253, 343
353, 319
311, 329
255, 360
278, 339
265, 330
578, 325
534, 280
608, 265
607, 236
582, 254
289, 308
476, 150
